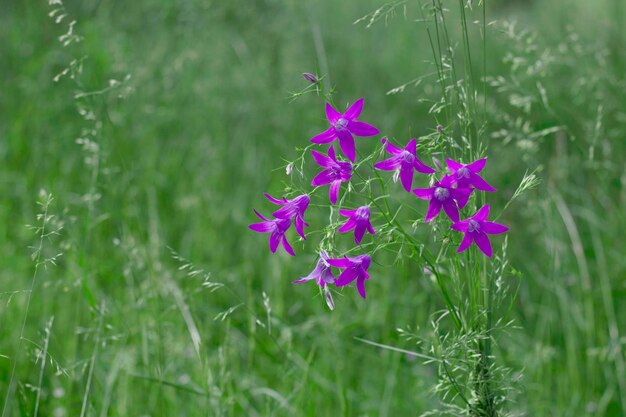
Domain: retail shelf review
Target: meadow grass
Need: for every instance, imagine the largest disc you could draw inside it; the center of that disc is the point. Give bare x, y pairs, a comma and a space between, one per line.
143, 293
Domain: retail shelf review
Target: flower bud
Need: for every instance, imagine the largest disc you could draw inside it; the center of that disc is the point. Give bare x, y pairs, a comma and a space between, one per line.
437, 163
329, 299
310, 77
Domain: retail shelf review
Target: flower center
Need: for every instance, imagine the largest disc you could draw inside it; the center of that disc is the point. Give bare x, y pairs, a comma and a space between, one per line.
473, 226
341, 124
441, 193
463, 173
407, 157
362, 213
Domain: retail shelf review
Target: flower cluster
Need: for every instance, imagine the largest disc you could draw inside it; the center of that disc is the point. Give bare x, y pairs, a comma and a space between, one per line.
450, 192
335, 171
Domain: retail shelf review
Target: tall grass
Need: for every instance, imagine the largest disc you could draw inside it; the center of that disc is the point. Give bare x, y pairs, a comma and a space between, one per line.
181, 149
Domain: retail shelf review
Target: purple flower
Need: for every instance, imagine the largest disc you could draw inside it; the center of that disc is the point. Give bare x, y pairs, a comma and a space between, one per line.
404, 159
353, 269
335, 173
441, 194
322, 273
359, 220
476, 229
292, 209
467, 175
277, 228
343, 126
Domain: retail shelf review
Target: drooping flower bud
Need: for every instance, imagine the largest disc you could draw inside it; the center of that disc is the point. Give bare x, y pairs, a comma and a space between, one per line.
328, 296
437, 163
310, 77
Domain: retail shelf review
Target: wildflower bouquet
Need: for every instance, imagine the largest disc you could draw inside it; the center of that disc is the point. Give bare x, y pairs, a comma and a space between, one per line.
365, 201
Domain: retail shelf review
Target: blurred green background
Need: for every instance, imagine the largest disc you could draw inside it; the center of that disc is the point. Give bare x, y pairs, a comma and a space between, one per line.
176, 121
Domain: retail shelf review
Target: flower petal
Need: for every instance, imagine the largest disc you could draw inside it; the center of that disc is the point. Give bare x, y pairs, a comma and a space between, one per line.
285, 212
360, 286
354, 111
461, 195
260, 216
482, 213
422, 167
453, 166
478, 165
370, 228
300, 223
493, 228
312, 275
287, 246
346, 213
331, 153
483, 243
362, 129
347, 226
274, 241
339, 262
333, 191
460, 226
390, 164
424, 193
331, 114
346, 277
275, 200
433, 210
480, 184
359, 232
449, 206
393, 149
327, 276
323, 178
326, 136
346, 142
465, 243
263, 227
406, 177
411, 146
321, 159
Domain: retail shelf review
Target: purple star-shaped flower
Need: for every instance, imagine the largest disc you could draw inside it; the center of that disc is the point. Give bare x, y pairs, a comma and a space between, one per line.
359, 220
441, 194
322, 273
277, 228
292, 209
353, 269
467, 175
343, 126
476, 229
335, 173
404, 159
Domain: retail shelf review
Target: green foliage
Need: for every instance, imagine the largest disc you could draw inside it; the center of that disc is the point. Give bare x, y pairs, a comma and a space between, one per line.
156, 126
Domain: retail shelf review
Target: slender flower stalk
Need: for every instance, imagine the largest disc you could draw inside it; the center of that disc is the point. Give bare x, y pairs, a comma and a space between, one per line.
343, 126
